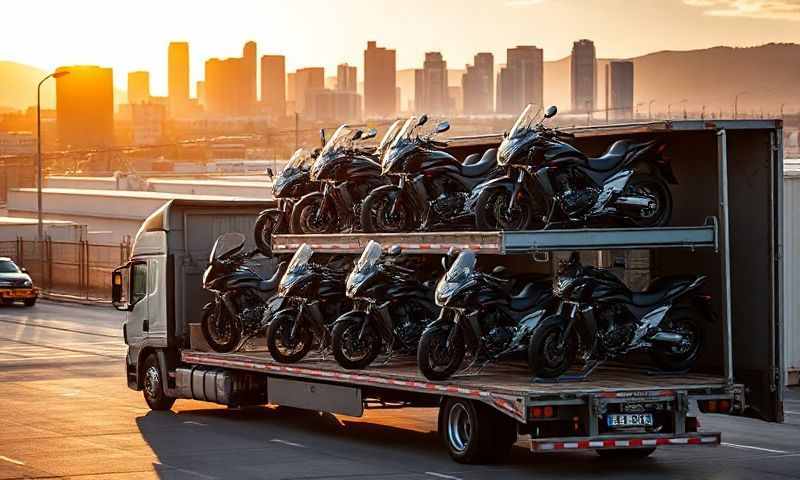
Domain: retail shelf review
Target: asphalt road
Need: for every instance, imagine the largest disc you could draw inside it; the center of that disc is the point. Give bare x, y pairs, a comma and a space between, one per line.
67, 412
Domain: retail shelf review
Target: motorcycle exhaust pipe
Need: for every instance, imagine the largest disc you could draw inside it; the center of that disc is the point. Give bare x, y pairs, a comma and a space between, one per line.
667, 337
635, 202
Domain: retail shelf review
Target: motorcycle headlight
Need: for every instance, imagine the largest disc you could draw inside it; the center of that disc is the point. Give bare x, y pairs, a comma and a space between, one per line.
562, 286
27, 283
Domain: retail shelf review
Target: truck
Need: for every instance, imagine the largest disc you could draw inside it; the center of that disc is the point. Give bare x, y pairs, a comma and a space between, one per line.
726, 224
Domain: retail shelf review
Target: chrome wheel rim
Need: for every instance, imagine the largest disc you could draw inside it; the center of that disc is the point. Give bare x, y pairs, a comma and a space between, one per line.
459, 427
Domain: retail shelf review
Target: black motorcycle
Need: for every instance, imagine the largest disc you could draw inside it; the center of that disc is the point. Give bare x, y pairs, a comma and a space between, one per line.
550, 183
431, 188
290, 185
600, 318
311, 296
390, 311
479, 312
348, 173
240, 295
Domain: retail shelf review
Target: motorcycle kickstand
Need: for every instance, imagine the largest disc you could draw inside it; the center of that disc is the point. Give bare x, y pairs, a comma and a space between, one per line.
581, 376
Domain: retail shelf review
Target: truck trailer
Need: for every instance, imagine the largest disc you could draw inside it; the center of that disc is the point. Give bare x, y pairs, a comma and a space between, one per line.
726, 224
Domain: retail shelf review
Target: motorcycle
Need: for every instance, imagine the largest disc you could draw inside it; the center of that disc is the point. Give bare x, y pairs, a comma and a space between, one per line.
600, 318
311, 295
432, 186
291, 184
550, 183
240, 295
391, 307
479, 312
348, 174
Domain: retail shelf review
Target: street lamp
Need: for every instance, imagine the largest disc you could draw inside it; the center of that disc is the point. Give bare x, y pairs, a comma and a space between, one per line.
39, 179
650, 109
736, 105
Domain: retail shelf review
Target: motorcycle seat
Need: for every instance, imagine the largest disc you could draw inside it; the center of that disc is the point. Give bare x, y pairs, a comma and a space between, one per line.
486, 163
271, 283
662, 288
613, 156
471, 159
531, 295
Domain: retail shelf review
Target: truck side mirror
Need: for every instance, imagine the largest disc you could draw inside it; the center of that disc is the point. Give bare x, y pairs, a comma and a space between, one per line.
117, 290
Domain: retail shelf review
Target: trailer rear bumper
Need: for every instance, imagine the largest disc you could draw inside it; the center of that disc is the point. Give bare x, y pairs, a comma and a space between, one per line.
624, 441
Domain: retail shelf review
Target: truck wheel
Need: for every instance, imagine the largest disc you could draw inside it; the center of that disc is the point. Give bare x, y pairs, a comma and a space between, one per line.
626, 453
349, 351
153, 385
30, 302
281, 347
474, 433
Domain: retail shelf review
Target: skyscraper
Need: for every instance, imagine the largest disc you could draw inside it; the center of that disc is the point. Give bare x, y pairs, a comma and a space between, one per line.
85, 107
178, 81
306, 82
619, 88
430, 86
521, 81
249, 74
583, 76
379, 81
477, 85
273, 84
138, 87
224, 95
346, 78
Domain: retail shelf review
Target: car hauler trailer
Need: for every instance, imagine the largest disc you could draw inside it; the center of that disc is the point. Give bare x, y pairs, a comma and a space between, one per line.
727, 225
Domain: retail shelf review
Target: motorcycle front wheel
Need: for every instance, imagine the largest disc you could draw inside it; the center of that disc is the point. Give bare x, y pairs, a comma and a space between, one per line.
493, 214
281, 346
653, 187
352, 352
436, 361
221, 331
548, 356
307, 217
267, 223
377, 215
684, 321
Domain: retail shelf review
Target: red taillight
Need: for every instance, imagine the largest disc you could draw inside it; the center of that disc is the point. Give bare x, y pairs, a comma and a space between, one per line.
543, 412
714, 406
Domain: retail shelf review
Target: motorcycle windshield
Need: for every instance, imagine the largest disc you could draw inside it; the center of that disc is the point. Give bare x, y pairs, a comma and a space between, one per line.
300, 259
301, 159
342, 139
364, 266
518, 139
529, 117
459, 272
400, 145
226, 245
388, 138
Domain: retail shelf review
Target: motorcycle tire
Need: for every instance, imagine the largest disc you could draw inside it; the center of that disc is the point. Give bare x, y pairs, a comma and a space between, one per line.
683, 319
543, 360
278, 331
528, 214
304, 215
376, 216
656, 186
267, 223
430, 345
343, 334
208, 325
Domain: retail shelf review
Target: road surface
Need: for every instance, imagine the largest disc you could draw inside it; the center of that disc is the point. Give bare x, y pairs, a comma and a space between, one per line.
67, 412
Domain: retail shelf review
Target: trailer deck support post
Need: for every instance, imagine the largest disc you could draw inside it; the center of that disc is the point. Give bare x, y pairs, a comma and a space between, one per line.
724, 223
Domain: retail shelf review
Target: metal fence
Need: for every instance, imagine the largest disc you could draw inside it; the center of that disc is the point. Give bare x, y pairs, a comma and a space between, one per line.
76, 269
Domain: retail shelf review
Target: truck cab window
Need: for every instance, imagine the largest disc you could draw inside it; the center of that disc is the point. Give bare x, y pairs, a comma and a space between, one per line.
138, 282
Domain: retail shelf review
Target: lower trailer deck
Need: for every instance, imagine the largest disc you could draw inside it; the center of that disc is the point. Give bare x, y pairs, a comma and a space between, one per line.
508, 386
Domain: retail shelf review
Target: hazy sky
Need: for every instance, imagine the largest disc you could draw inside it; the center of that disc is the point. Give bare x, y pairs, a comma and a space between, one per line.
133, 34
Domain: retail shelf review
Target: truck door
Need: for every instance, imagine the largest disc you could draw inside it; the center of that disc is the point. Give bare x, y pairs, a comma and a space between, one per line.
137, 324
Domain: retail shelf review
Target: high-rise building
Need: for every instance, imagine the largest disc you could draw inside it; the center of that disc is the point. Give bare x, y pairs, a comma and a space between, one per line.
200, 88
138, 87
430, 86
583, 71
380, 81
273, 84
85, 107
333, 105
306, 82
249, 74
619, 88
477, 85
521, 81
346, 78
147, 123
178, 81
222, 88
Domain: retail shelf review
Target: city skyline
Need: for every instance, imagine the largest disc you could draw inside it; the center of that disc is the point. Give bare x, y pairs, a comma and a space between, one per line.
680, 25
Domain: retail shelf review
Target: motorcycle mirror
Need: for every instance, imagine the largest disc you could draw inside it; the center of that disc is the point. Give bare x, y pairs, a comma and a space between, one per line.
322, 136
443, 127
394, 250
422, 120
370, 134
505, 134
269, 173
358, 134
575, 257
551, 111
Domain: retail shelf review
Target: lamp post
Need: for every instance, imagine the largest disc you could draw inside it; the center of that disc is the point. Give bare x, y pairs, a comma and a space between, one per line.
736, 104
39, 178
650, 109
669, 107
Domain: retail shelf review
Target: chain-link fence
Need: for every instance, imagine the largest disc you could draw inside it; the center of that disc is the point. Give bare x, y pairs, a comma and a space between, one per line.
76, 269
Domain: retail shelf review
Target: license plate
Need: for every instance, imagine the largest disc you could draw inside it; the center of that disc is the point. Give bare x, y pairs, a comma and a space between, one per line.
630, 420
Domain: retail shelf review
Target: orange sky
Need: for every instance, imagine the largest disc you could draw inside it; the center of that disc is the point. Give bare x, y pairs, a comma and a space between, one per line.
133, 35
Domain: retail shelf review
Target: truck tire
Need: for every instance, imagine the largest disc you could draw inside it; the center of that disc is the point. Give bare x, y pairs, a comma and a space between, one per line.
626, 453
278, 330
153, 385
474, 433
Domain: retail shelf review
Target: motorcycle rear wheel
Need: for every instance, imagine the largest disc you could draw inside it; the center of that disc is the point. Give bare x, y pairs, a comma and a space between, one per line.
305, 218
377, 217
687, 321
435, 360
657, 188
267, 223
281, 348
222, 334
